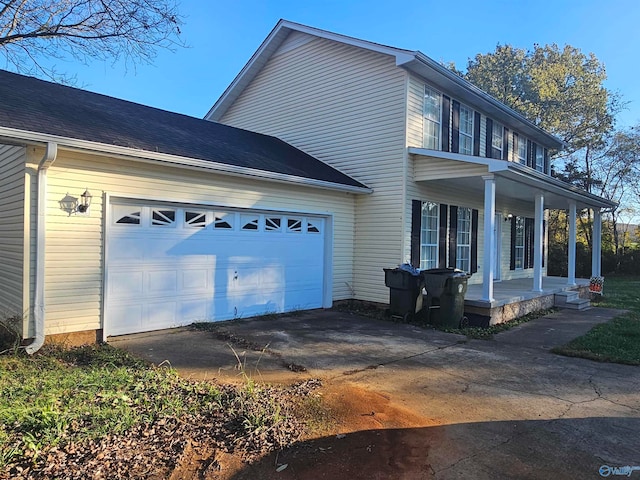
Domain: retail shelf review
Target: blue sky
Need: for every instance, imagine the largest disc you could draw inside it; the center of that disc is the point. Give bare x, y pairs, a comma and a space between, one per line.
222, 36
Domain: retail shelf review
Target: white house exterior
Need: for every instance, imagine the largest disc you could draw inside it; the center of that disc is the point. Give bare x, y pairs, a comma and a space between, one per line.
447, 163
389, 158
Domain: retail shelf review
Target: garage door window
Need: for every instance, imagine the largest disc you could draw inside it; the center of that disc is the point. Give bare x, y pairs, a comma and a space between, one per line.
273, 224
223, 221
250, 223
294, 225
163, 218
312, 228
195, 219
126, 215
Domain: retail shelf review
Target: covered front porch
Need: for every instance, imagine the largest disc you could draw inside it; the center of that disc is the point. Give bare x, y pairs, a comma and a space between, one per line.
515, 298
526, 192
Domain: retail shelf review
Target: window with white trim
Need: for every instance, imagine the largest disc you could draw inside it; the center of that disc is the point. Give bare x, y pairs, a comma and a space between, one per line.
163, 218
463, 238
519, 243
223, 220
539, 158
294, 225
432, 118
273, 224
522, 150
250, 222
195, 219
497, 139
127, 215
466, 130
429, 235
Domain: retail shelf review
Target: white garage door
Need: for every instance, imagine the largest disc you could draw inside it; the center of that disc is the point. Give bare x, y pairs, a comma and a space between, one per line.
169, 266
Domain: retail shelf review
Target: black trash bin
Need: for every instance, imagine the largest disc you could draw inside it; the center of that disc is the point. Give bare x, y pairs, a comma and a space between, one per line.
405, 292
446, 288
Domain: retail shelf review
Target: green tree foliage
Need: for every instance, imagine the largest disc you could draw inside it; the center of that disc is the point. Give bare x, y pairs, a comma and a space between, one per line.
559, 89
33, 32
562, 91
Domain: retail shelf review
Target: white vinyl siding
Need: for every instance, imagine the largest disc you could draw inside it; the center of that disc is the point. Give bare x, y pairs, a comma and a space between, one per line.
74, 276
463, 253
466, 130
432, 118
347, 107
12, 230
429, 235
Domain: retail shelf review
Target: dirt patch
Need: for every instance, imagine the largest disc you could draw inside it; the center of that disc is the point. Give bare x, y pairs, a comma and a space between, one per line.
364, 436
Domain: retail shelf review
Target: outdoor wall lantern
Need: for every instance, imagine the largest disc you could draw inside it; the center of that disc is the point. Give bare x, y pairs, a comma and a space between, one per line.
71, 204
508, 217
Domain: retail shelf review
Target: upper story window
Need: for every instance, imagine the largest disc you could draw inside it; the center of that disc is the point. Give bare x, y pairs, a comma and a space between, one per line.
497, 140
522, 150
432, 118
466, 130
539, 158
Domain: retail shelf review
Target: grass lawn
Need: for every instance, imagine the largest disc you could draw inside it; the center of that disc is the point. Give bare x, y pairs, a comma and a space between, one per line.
616, 341
61, 410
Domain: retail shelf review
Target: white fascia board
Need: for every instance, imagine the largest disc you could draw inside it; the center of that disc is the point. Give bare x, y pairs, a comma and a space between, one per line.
545, 182
493, 164
526, 175
171, 160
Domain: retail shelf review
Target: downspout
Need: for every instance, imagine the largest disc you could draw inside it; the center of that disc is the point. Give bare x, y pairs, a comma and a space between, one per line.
49, 157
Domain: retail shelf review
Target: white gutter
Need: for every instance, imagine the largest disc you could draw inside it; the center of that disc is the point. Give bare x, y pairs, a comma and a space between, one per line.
39, 305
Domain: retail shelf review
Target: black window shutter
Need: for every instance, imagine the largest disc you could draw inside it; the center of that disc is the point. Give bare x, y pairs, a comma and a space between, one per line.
505, 143
455, 127
453, 235
474, 240
528, 242
446, 112
512, 263
529, 156
534, 147
442, 236
488, 137
416, 220
546, 161
476, 134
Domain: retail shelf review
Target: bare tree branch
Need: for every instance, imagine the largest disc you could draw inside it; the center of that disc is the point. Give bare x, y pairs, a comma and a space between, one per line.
129, 30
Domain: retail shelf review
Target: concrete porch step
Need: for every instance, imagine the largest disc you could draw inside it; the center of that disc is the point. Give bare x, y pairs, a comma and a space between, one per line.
571, 299
580, 304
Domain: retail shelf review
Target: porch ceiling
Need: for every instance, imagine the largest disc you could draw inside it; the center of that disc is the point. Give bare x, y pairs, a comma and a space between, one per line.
513, 181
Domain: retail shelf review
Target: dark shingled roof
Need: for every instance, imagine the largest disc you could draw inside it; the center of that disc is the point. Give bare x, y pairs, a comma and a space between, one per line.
34, 105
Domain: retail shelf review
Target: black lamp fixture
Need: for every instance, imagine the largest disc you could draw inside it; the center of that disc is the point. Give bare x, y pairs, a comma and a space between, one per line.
508, 217
85, 201
71, 204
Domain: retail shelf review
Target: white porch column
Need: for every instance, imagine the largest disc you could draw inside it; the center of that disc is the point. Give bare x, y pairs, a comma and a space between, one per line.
596, 253
489, 259
537, 243
571, 273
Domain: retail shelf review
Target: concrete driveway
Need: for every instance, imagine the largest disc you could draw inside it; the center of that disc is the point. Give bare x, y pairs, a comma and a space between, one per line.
503, 408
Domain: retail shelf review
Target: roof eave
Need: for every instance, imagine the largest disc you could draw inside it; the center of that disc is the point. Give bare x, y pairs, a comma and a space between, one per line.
24, 137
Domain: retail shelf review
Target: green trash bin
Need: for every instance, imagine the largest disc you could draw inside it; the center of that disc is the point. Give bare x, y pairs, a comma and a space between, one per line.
446, 288
405, 292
